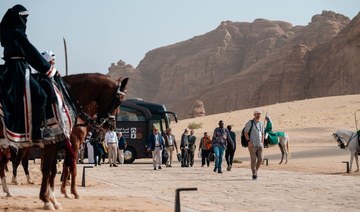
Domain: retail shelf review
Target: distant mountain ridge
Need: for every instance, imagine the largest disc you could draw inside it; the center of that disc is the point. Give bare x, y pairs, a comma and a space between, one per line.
240, 65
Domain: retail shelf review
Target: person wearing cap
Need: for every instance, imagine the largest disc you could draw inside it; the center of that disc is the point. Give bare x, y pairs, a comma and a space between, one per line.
22, 98
221, 139
111, 142
184, 147
156, 145
255, 142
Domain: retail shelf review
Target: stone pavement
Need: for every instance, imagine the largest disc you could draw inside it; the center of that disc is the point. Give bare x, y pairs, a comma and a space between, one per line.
230, 191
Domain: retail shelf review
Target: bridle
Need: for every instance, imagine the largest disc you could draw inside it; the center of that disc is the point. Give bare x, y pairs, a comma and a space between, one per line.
103, 117
115, 102
341, 141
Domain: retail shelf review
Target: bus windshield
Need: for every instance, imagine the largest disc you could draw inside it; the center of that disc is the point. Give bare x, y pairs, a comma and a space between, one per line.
160, 122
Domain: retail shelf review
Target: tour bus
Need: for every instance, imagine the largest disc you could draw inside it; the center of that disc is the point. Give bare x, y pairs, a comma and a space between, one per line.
136, 120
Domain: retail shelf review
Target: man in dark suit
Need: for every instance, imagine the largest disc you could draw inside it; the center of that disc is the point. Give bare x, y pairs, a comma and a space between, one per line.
192, 148
156, 145
184, 147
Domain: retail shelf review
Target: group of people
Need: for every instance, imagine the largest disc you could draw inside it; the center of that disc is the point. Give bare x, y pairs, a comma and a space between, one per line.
98, 145
208, 146
188, 148
222, 141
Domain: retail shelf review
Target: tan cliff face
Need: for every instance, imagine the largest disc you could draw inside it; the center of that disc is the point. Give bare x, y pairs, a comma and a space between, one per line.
240, 65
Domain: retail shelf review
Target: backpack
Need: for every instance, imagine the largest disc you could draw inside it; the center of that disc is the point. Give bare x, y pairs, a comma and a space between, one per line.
244, 142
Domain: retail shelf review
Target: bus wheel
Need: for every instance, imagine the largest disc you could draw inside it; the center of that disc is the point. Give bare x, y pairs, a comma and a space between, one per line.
129, 155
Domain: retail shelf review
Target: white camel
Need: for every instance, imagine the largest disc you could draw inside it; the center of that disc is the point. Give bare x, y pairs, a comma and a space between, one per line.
349, 139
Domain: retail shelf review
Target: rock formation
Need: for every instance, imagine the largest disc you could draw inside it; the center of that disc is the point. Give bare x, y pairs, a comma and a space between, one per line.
198, 109
240, 65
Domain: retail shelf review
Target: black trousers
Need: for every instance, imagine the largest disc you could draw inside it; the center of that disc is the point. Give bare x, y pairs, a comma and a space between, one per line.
229, 156
191, 157
184, 158
205, 156
98, 152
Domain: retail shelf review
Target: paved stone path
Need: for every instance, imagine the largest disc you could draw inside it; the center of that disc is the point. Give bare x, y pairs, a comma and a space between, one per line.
232, 191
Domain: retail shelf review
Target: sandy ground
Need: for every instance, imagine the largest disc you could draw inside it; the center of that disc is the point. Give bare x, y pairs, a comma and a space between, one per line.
313, 180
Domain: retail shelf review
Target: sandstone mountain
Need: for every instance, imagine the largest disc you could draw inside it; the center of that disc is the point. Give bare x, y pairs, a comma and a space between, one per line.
240, 65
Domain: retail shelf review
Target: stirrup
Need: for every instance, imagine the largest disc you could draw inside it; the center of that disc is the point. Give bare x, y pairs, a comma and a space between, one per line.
47, 134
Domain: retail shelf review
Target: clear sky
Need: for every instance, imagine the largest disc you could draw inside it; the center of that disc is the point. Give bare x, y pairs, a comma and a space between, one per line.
101, 32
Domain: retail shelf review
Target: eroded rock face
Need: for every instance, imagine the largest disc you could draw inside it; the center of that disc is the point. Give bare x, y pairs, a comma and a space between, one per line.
121, 69
240, 65
333, 68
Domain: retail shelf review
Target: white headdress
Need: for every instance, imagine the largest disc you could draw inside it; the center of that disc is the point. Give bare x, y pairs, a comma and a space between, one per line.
48, 55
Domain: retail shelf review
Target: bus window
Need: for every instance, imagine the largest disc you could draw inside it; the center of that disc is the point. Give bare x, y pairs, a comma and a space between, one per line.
128, 114
163, 123
157, 123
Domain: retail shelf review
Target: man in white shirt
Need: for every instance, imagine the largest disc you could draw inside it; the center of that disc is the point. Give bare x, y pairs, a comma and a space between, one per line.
171, 145
111, 142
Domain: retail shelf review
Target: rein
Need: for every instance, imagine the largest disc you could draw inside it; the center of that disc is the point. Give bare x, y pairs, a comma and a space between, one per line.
339, 139
351, 137
89, 121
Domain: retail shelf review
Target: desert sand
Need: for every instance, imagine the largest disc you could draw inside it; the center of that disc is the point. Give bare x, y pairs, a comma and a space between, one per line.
315, 178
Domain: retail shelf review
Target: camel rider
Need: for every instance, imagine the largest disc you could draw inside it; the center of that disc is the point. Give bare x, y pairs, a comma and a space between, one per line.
22, 98
270, 136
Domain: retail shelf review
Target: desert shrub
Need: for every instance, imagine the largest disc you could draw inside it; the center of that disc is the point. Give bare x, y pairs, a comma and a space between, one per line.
194, 125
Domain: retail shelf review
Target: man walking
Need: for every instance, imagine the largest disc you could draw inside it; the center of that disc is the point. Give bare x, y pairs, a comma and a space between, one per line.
156, 145
192, 147
111, 142
229, 154
170, 144
184, 146
221, 138
254, 134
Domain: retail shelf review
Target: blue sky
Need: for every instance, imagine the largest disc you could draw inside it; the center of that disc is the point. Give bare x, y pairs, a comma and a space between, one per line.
101, 32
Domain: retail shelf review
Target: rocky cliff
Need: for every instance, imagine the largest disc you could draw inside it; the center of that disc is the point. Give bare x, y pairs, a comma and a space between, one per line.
240, 65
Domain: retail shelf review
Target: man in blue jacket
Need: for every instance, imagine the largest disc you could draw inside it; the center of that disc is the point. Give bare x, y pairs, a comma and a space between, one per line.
156, 145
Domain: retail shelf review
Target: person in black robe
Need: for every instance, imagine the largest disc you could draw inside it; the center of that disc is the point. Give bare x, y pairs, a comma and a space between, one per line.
99, 151
22, 98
